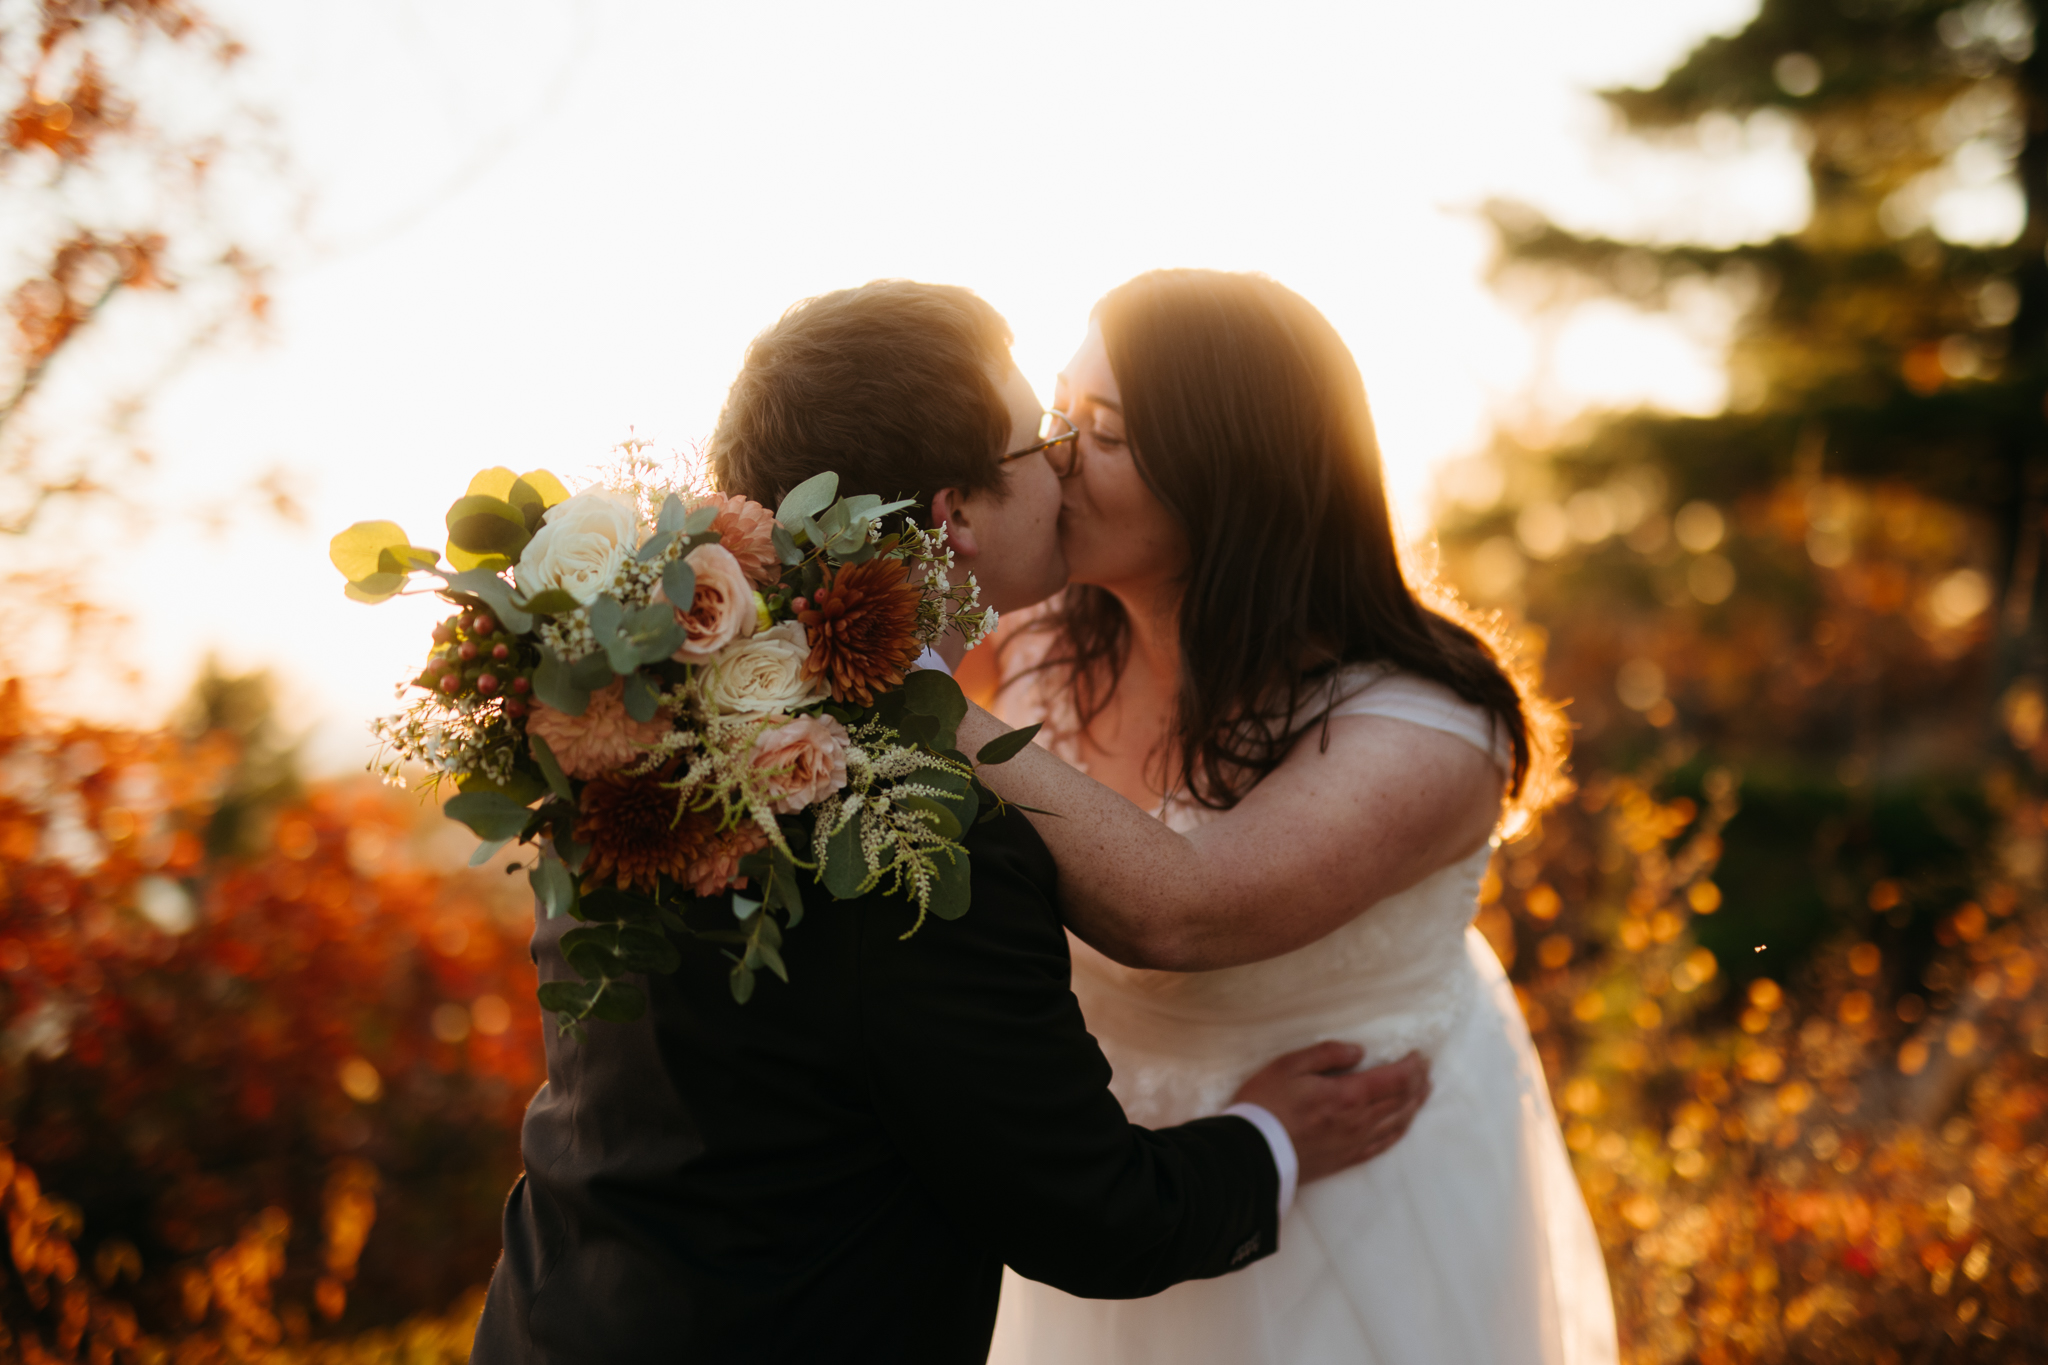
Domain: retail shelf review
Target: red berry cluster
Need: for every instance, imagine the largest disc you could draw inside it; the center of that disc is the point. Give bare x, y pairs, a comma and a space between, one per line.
473, 655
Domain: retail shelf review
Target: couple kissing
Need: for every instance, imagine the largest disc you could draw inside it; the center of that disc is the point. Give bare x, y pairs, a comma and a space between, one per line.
1215, 1069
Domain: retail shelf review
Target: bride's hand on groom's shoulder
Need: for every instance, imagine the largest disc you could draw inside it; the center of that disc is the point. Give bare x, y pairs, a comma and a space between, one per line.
1337, 1117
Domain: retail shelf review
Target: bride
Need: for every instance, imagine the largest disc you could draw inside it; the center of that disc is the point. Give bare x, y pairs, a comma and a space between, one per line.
1282, 774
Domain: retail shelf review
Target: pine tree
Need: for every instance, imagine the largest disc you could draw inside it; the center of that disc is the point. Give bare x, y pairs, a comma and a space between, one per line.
1830, 587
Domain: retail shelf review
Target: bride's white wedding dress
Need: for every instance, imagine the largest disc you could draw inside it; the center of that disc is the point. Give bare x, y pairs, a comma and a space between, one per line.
1468, 1243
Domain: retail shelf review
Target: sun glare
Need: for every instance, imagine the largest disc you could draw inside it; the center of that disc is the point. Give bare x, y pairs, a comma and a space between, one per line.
570, 225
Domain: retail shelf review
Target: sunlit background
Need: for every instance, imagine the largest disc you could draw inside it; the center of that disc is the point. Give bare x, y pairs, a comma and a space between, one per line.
1707, 341
517, 233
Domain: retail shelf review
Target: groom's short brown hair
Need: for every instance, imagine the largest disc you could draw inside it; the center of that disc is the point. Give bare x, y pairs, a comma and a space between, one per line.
888, 384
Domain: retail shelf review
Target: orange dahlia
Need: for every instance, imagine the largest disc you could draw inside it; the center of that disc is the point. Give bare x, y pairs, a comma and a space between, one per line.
862, 625
720, 866
634, 836
747, 530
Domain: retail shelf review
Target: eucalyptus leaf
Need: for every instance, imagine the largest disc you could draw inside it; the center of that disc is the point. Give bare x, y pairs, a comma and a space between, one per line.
672, 515
466, 560
605, 614
808, 498
636, 947
355, 551
572, 854
483, 524
618, 1002
555, 685
743, 907
785, 545
522, 787
523, 496
654, 545
771, 955
496, 594
591, 672
953, 888
547, 485
551, 602
376, 588
700, 520
679, 584
495, 482
932, 692
601, 903
552, 885
1003, 748
966, 806
567, 997
742, 983
653, 632
784, 891
641, 701
936, 813
846, 872
486, 851
489, 814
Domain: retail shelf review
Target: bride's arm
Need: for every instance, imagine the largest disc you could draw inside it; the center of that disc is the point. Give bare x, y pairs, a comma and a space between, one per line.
1326, 834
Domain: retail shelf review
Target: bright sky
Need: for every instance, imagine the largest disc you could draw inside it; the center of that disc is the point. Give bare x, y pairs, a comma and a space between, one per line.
541, 223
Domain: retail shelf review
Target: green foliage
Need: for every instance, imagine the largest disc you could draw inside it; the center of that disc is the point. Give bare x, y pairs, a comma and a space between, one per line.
1003, 748
489, 814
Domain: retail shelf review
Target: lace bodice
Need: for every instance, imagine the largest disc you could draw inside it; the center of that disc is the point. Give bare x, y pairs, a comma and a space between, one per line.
1397, 977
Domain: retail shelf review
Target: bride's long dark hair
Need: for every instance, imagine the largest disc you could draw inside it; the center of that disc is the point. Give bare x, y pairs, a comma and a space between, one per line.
1247, 418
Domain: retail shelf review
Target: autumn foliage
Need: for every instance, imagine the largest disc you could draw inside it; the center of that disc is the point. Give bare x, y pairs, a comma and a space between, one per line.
261, 1063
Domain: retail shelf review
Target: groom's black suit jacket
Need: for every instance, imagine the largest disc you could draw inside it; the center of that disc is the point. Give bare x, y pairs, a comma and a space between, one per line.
838, 1169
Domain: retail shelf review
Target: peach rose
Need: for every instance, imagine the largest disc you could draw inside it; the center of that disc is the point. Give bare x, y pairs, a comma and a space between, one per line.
805, 761
747, 529
723, 609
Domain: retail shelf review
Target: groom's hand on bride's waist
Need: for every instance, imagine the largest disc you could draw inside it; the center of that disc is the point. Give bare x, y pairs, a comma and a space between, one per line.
1337, 1117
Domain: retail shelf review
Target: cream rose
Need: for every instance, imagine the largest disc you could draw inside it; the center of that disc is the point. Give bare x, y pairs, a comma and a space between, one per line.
580, 545
765, 674
724, 607
805, 761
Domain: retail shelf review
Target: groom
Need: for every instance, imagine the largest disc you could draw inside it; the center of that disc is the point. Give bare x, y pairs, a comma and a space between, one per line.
838, 1169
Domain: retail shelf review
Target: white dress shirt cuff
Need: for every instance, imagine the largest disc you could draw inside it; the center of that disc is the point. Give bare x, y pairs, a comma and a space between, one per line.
1276, 1138
930, 659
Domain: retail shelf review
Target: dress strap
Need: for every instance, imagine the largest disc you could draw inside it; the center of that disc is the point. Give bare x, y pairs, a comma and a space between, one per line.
1421, 701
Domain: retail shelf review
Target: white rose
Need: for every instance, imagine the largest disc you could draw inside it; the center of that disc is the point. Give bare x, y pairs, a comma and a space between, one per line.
764, 674
580, 545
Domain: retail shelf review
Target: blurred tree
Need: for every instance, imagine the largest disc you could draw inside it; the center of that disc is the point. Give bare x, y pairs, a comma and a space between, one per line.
1782, 955
1830, 585
127, 169
301, 1054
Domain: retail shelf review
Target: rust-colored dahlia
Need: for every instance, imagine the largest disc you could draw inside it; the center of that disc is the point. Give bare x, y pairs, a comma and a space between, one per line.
747, 530
720, 867
634, 836
862, 626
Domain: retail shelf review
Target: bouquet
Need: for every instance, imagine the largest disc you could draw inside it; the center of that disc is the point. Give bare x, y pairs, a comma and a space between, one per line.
674, 694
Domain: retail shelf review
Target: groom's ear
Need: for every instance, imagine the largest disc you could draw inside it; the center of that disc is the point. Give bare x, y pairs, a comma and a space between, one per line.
949, 505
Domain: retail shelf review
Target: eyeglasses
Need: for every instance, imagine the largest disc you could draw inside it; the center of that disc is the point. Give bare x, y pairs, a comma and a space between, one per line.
1060, 442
